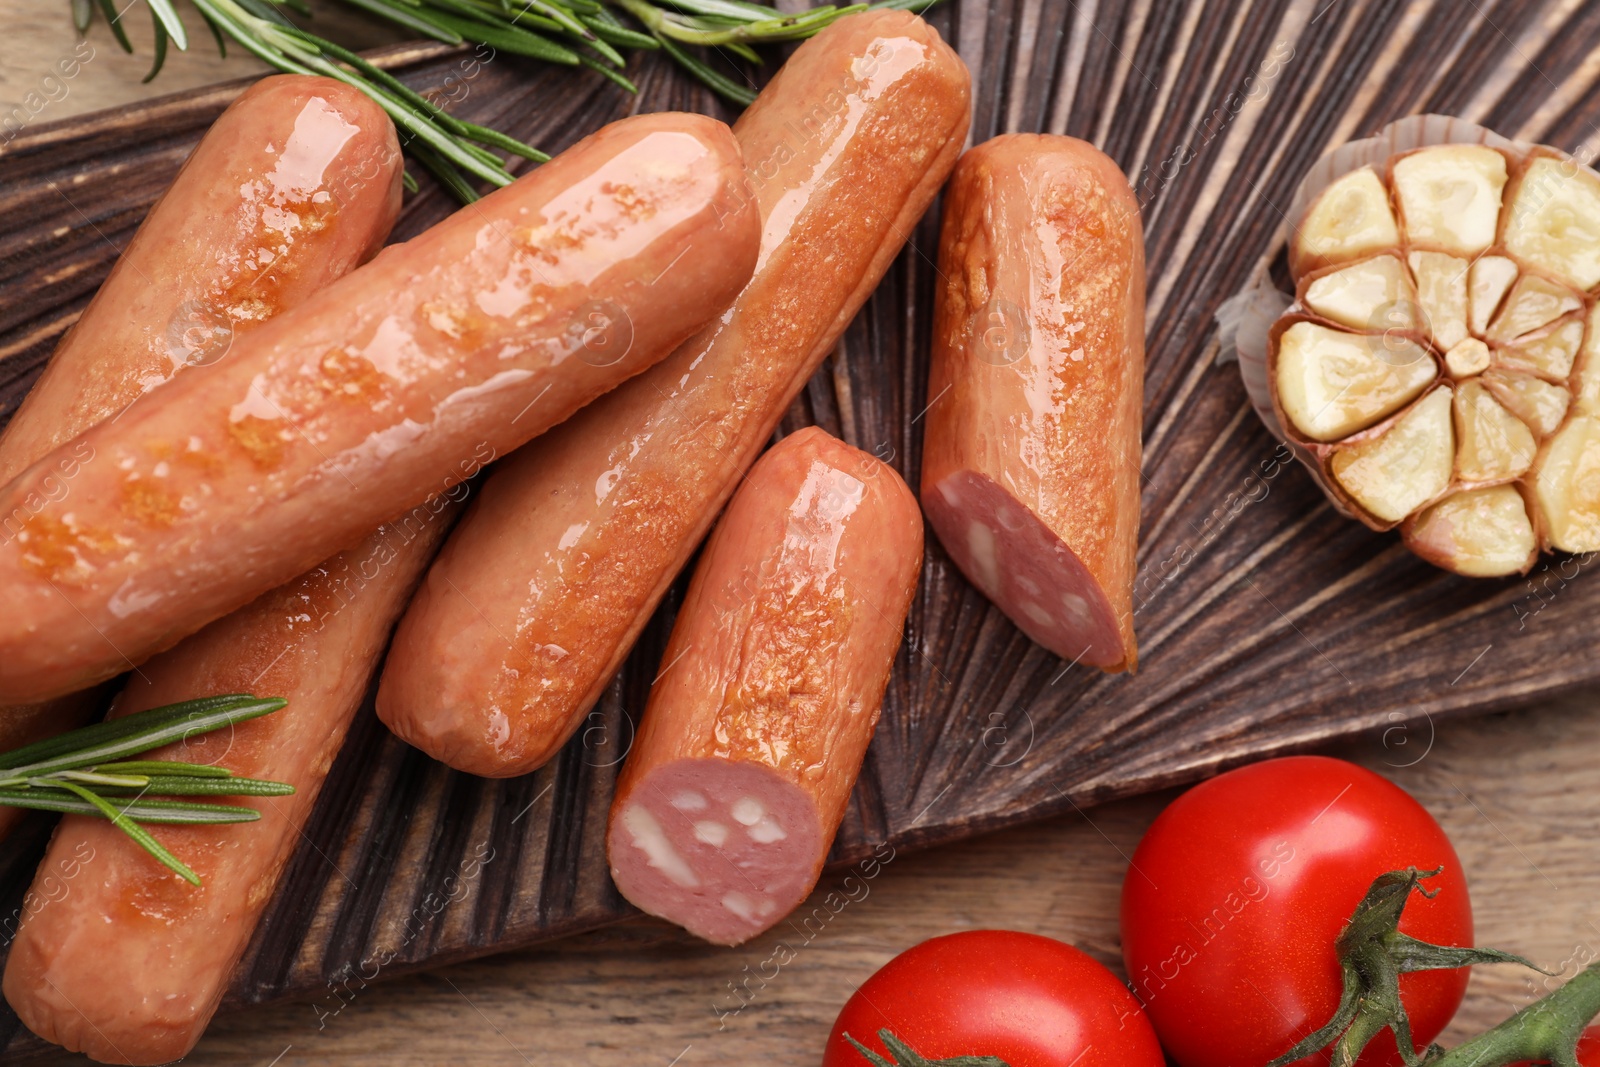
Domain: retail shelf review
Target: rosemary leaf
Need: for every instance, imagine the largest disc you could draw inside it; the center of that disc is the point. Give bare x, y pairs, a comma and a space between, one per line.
576, 28
93, 777
157, 768
136, 733
744, 51
620, 35
161, 54
168, 812
510, 38
140, 835
114, 20
732, 9
496, 139
216, 35
489, 13
711, 79
401, 17
447, 174
609, 73
172, 785
166, 18
133, 734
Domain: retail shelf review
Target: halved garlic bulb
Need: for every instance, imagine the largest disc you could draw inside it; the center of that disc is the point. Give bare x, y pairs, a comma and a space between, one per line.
1440, 366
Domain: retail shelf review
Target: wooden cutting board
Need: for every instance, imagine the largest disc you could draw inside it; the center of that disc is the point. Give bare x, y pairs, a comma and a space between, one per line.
1266, 622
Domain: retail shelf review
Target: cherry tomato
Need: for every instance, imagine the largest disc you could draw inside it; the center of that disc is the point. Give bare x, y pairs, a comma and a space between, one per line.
1236, 893
1031, 1001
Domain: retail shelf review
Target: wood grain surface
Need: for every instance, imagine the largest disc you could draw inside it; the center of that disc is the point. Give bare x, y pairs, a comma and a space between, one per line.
1267, 622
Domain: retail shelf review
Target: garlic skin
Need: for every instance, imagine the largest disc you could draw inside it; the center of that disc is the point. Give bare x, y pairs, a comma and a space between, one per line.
1440, 366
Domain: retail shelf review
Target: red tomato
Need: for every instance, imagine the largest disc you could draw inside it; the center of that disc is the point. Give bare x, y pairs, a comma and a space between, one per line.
1236, 894
1030, 1000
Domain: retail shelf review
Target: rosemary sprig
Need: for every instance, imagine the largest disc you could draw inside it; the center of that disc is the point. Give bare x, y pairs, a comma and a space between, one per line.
85, 772
570, 33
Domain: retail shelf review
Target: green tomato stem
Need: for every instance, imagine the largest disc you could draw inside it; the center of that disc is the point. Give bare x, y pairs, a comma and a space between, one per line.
1546, 1031
906, 1056
1373, 954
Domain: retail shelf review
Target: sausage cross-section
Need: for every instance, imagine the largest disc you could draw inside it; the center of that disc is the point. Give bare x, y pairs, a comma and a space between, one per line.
128, 965
769, 691
1030, 465
543, 588
294, 185
454, 347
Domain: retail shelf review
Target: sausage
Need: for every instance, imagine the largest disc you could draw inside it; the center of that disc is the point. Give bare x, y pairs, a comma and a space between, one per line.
390, 384
543, 588
295, 184
23, 724
1030, 464
128, 965
769, 691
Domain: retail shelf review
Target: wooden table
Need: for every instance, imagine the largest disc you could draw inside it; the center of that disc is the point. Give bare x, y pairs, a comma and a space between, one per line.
1519, 793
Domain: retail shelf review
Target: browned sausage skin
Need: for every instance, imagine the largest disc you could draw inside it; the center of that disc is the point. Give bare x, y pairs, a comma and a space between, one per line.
1030, 466
769, 691
129, 965
296, 183
448, 350
543, 588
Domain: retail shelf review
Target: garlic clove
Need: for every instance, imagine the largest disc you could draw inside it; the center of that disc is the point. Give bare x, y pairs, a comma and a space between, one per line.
1442, 294
1350, 220
1481, 533
1588, 383
1567, 486
1554, 220
1448, 197
1331, 383
1488, 283
1374, 294
1467, 358
1533, 303
1492, 444
1535, 401
1549, 353
1404, 467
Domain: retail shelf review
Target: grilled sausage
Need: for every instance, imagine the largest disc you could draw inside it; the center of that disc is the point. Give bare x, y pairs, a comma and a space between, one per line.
448, 350
1030, 466
296, 183
128, 965
769, 692
542, 590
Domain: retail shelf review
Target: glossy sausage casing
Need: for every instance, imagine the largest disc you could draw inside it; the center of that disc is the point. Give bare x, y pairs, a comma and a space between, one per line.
1030, 464
296, 183
769, 691
543, 588
390, 385
129, 964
